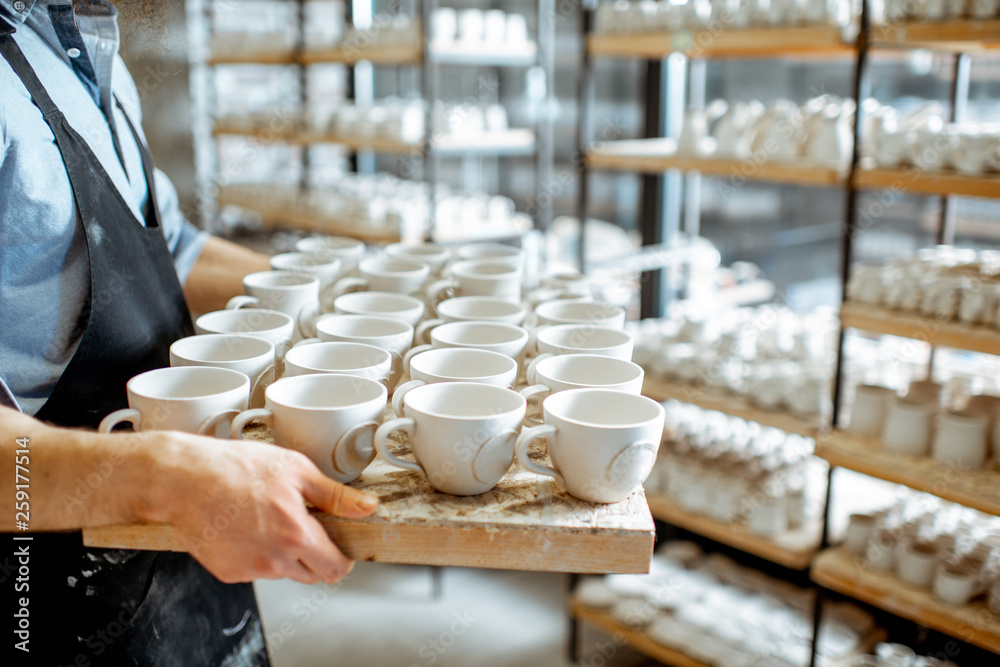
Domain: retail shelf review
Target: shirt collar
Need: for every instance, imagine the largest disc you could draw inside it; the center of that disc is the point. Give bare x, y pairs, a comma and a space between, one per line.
26, 7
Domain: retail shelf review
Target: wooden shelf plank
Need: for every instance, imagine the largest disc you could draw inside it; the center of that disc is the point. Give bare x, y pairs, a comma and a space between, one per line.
660, 390
250, 58
962, 35
793, 550
658, 155
412, 54
979, 489
526, 523
839, 571
929, 182
641, 642
381, 54
515, 141
749, 43
931, 330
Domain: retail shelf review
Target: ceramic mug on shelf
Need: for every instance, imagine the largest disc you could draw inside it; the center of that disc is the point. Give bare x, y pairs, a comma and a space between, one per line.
956, 584
329, 418
381, 304
917, 564
289, 292
978, 304
348, 251
870, 408
602, 443
461, 434
195, 399
962, 439
908, 427
859, 532
250, 355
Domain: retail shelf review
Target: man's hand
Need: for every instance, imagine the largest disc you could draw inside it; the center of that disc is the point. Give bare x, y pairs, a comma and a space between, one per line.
239, 509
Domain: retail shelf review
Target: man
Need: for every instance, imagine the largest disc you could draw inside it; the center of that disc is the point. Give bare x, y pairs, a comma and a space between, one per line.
93, 251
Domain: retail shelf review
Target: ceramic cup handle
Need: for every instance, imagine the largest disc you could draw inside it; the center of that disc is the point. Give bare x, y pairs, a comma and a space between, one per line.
346, 286
354, 451
262, 382
529, 374
539, 391
395, 372
521, 450
422, 334
307, 319
441, 290
119, 416
210, 426
407, 426
400, 394
243, 301
412, 352
242, 419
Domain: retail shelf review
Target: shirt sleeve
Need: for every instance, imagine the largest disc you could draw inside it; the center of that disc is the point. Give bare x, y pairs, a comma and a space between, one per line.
184, 240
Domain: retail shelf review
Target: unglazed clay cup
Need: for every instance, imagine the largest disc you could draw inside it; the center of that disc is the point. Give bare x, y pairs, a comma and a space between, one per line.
602, 442
461, 434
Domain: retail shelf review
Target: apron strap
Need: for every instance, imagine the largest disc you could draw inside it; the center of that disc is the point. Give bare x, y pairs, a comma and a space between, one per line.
12, 54
153, 215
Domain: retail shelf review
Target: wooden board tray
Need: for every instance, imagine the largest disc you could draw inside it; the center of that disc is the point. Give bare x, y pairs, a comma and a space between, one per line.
957, 35
526, 523
928, 182
661, 390
794, 549
979, 489
920, 327
839, 571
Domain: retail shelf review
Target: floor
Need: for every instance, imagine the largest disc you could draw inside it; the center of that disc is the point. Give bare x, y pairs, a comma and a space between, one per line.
388, 616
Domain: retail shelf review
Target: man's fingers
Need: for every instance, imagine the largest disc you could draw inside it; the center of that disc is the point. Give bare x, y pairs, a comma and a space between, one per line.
324, 558
335, 498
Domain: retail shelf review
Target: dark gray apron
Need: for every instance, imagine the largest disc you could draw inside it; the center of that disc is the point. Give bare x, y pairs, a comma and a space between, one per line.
95, 606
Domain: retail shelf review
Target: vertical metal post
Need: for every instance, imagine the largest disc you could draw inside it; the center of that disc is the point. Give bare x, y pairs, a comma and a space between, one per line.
959, 96
430, 90
574, 625
652, 210
584, 120
545, 131
303, 71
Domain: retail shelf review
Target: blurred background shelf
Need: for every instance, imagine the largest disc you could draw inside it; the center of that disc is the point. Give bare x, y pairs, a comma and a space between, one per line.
793, 550
928, 182
729, 43
839, 571
412, 54
658, 155
979, 489
960, 36
920, 327
661, 390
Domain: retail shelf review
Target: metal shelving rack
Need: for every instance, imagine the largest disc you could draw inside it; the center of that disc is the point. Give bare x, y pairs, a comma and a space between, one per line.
537, 141
650, 157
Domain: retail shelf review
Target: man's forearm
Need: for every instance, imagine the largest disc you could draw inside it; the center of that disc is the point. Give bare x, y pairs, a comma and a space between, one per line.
73, 478
218, 273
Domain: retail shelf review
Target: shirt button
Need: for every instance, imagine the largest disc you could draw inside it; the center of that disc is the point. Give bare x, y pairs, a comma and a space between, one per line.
18, 6
73, 52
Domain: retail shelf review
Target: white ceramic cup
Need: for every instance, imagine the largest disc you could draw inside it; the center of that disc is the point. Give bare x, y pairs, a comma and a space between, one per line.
594, 313
472, 308
357, 359
326, 268
271, 325
392, 335
384, 274
962, 439
602, 442
859, 532
908, 427
917, 564
293, 293
195, 399
476, 277
434, 256
978, 303
381, 304
495, 252
329, 418
456, 364
870, 409
956, 584
585, 339
348, 251
461, 434
548, 374
250, 355
507, 339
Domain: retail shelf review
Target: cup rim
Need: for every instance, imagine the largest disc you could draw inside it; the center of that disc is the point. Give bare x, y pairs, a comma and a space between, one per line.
543, 335
466, 351
464, 388
136, 384
337, 344
176, 348
521, 332
335, 244
411, 302
241, 313
574, 358
274, 391
552, 405
311, 259
404, 327
610, 311
375, 266
253, 279
513, 308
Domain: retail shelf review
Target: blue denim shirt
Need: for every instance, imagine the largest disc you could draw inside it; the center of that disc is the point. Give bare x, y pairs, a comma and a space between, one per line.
44, 265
